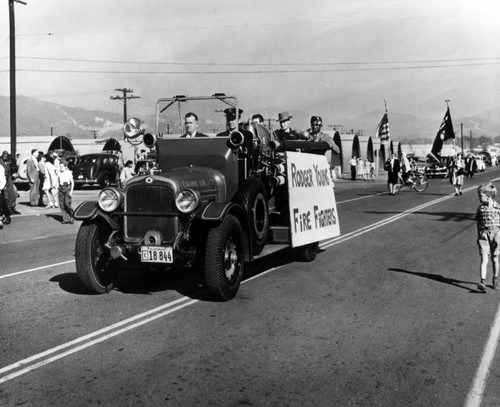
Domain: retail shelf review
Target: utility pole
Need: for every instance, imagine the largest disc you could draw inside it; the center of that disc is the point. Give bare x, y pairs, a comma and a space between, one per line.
124, 98
462, 136
12, 35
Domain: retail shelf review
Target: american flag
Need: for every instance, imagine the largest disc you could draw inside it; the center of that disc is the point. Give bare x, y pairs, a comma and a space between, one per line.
383, 128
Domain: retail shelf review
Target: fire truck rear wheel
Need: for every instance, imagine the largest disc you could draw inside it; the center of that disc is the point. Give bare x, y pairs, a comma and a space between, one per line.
92, 259
252, 197
307, 253
224, 262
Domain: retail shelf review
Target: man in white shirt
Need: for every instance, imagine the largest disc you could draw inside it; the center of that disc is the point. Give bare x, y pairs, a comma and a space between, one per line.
191, 125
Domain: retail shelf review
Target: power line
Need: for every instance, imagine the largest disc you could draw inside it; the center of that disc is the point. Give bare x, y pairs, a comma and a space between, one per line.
280, 71
260, 64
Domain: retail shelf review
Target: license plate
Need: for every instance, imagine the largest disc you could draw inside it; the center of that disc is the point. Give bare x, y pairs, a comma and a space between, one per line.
156, 254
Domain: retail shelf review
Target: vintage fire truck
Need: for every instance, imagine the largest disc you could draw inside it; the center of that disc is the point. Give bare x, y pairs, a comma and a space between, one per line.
209, 203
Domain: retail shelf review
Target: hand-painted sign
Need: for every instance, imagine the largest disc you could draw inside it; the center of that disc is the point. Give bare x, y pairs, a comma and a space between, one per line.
313, 210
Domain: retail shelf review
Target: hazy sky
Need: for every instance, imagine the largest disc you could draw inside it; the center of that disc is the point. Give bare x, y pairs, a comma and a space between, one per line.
328, 57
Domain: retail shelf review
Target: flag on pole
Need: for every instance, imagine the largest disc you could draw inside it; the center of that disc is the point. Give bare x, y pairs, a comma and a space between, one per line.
383, 128
445, 132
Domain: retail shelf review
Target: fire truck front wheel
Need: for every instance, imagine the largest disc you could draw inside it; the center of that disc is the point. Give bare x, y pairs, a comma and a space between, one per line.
224, 258
92, 259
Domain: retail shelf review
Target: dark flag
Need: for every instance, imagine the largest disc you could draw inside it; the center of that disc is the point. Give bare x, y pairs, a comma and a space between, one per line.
383, 128
445, 132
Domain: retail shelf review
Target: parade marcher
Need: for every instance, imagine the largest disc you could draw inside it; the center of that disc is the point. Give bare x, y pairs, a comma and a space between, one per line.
393, 167
191, 126
372, 170
66, 186
352, 163
470, 166
231, 121
405, 170
32, 173
488, 233
457, 173
127, 173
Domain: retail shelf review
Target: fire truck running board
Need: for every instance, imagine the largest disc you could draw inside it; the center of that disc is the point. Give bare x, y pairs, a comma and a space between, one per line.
270, 249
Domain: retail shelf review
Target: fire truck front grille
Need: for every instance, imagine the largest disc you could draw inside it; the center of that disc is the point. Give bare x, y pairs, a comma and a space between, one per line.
150, 207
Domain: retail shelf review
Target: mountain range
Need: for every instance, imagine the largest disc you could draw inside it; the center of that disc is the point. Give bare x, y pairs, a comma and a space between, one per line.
40, 118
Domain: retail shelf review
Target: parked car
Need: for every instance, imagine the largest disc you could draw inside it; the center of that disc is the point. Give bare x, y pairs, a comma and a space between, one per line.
211, 203
99, 168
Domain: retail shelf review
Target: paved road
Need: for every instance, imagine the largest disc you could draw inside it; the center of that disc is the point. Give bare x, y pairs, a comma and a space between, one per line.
387, 315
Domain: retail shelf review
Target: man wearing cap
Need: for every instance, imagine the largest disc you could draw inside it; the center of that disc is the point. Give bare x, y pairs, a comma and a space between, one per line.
315, 134
191, 125
285, 132
231, 121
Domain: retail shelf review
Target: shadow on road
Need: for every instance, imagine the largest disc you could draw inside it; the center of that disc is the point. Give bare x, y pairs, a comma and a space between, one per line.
187, 282
441, 216
441, 279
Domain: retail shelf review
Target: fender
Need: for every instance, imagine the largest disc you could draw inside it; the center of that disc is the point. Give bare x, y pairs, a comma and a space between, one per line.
217, 211
89, 210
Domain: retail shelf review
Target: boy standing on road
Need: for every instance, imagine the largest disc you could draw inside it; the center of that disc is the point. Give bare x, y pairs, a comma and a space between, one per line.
488, 232
66, 185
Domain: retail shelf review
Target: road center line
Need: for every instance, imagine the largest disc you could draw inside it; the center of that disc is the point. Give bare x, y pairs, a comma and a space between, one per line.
44, 358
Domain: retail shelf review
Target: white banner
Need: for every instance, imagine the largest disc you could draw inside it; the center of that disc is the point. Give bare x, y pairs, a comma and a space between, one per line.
313, 210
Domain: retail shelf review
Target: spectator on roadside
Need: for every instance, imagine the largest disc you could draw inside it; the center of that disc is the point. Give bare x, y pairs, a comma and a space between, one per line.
360, 168
50, 184
66, 186
4, 219
191, 126
488, 233
10, 190
127, 173
393, 167
4, 210
352, 163
33, 177
41, 177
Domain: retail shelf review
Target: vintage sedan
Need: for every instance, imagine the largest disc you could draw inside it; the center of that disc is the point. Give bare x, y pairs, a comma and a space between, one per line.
99, 168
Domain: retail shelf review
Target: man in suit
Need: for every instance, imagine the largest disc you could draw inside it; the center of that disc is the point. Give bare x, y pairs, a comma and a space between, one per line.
34, 182
191, 125
231, 121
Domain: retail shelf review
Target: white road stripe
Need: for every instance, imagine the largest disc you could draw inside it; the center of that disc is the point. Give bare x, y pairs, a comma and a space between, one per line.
26, 365
37, 268
476, 392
